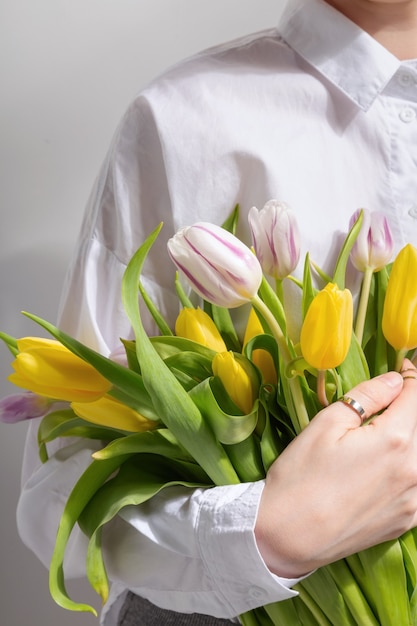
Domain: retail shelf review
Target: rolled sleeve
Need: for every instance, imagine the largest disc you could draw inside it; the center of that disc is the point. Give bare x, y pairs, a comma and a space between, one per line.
194, 551
228, 545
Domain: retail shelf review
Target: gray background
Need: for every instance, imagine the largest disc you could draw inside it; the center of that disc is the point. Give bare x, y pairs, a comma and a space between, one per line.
68, 70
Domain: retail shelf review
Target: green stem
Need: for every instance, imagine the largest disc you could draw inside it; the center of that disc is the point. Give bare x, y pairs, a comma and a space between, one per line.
400, 356
294, 383
321, 388
363, 303
279, 289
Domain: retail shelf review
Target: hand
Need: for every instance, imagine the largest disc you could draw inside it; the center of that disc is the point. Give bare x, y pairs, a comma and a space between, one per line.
341, 487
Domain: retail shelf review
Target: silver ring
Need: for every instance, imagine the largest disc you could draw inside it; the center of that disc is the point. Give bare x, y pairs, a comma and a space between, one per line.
414, 376
353, 404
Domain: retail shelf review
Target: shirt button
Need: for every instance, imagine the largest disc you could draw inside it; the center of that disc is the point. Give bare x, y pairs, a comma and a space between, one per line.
405, 79
256, 592
412, 211
407, 115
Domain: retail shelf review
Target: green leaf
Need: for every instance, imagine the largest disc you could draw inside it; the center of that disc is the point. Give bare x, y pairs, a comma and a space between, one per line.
274, 304
10, 342
182, 296
382, 563
247, 459
230, 224
170, 346
159, 441
94, 476
135, 483
339, 276
227, 421
174, 406
223, 320
308, 289
156, 315
324, 592
354, 368
65, 423
189, 367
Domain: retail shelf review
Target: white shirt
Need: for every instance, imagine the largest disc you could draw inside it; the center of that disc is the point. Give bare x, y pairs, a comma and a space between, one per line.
315, 113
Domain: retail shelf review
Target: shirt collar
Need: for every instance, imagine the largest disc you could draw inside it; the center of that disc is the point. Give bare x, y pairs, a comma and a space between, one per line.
337, 48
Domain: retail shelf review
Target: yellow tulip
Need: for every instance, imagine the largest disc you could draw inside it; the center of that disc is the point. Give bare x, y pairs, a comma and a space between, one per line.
399, 318
197, 325
113, 414
327, 328
261, 358
235, 380
47, 368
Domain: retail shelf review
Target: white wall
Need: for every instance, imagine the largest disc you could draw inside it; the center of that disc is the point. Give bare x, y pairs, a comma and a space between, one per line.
68, 69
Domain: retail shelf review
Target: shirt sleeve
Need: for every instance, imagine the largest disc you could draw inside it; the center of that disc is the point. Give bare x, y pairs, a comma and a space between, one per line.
194, 550
188, 550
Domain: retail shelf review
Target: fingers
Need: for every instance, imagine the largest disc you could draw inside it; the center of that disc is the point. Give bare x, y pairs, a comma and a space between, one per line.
370, 396
403, 410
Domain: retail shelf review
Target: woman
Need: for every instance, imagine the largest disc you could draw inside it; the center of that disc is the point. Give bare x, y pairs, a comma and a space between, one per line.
319, 112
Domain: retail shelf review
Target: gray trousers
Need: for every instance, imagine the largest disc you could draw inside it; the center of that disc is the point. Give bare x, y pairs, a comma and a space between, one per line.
139, 612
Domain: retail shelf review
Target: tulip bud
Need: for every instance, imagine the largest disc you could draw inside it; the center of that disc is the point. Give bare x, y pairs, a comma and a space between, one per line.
219, 267
276, 238
49, 369
23, 406
327, 328
111, 413
374, 245
260, 357
235, 380
196, 325
399, 318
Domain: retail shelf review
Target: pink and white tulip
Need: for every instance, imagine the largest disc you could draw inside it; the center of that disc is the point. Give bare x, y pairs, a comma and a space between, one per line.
23, 406
219, 267
276, 238
374, 246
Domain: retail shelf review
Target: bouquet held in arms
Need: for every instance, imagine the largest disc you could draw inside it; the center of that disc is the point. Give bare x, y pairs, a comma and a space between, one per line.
196, 406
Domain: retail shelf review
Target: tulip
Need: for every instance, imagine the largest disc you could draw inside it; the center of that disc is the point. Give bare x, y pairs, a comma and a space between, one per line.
374, 245
399, 317
261, 358
235, 380
276, 238
327, 328
110, 413
23, 406
197, 325
371, 251
219, 267
46, 367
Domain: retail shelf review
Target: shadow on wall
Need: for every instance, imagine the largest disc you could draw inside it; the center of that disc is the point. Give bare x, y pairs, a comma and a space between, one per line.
30, 280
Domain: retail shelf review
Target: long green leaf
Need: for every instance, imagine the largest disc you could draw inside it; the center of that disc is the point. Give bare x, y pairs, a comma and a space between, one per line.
384, 563
133, 485
93, 477
173, 405
339, 276
66, 424
160, 442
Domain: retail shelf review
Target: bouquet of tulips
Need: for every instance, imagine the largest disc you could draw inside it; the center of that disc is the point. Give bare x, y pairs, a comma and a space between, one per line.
196, 406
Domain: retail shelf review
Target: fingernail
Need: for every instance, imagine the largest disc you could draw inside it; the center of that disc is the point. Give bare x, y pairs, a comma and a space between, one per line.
392, 379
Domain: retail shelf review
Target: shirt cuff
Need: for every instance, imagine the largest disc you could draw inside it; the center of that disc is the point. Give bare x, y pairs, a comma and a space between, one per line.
226, 527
